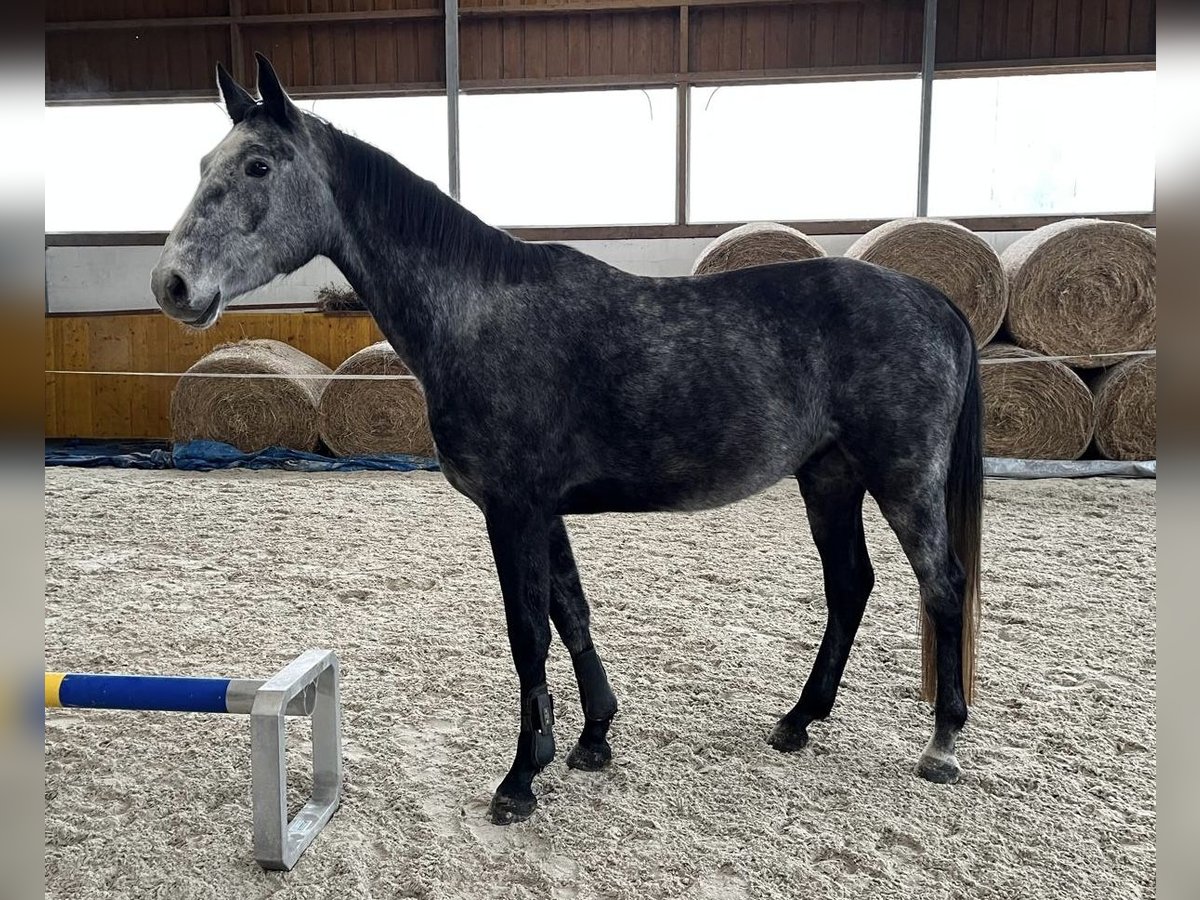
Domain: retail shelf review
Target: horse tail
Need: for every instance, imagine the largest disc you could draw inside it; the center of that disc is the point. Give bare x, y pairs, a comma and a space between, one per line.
964, 519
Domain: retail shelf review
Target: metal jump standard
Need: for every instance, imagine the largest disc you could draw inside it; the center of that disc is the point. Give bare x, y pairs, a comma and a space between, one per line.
307, 686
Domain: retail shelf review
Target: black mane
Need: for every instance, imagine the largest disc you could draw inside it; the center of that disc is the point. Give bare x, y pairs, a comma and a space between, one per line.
420, 214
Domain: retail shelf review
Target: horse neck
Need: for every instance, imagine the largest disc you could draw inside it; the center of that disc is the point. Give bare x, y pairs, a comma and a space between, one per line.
419, 261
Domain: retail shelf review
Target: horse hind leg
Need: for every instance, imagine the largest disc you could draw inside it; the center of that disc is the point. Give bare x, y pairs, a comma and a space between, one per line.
920, 524
833, 499
572, 619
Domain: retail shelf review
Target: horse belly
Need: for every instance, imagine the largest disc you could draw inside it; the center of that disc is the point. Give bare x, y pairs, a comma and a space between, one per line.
700, 490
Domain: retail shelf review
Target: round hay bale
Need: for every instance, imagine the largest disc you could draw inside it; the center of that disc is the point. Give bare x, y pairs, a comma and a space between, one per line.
250, 413
1033, 410
755, 244
372, 417
1126, 409
955, 260
1082, 287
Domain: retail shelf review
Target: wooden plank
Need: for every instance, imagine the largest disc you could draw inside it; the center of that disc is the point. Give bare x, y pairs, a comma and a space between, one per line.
1018, 29
1043, 32
600, 48
846, 25
535, 47
179, 65
343, 54
707, 30
994, 18
641, 34
666, 41
824, 19
388, 40
1066, 28
420, 52
621, 39
775, 53
470, 50
302, 49
1116, 28
557, 61
800, 36
891, 47
75, 400
365, 64
578, 41
1141, 26
513, 49
914, 32
1092, 15
970, 29
491, 49
947, 30
732, 34
324, 71
754, 38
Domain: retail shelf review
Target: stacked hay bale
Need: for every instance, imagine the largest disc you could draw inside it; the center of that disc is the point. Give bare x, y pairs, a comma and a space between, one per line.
1080, 289
755, 244
1126, 413
374, 416
1033, 410
952, 258
279, 410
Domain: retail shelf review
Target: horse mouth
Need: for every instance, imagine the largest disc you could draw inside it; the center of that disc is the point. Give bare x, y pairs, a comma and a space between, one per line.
209, 315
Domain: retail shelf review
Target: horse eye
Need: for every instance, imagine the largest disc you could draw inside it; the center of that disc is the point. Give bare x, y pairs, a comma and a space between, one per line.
256, 168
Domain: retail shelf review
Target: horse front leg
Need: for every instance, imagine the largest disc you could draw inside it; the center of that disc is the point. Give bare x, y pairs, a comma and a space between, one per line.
571, 617
520, 545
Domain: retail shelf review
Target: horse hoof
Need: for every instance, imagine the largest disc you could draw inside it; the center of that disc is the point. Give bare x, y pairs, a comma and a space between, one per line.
590, 757
506, 809
788, 738
938, 768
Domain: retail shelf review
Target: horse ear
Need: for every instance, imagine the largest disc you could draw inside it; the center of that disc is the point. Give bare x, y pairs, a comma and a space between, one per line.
274, 98
237, 99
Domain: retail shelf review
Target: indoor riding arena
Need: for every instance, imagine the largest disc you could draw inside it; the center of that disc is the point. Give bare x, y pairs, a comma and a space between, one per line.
600, 449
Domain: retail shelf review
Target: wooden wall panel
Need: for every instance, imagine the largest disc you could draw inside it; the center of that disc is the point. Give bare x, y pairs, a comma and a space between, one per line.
999, 31
82, 10
842, 35
130, 406
127, 61
358, 54
595, 45
397, 45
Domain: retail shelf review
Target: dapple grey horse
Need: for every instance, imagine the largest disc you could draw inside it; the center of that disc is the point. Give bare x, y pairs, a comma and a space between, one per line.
557, 384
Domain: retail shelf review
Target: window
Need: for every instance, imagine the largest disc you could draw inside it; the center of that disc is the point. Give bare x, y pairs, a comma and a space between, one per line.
1043, 144
575, 158
135, 167
126, 168
839, 150
412, 129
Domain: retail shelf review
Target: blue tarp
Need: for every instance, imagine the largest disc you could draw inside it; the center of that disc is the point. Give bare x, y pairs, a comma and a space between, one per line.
204, 456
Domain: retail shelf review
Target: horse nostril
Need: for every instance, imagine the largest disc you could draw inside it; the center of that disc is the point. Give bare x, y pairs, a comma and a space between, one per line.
177, 289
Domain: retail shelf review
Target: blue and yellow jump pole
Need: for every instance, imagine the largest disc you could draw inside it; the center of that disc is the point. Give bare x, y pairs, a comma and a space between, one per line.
163, 693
